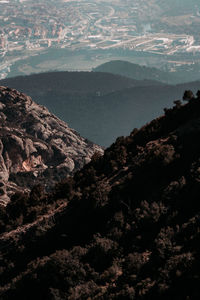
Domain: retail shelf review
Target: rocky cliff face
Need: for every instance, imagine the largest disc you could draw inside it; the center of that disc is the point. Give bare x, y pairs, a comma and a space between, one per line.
35, 146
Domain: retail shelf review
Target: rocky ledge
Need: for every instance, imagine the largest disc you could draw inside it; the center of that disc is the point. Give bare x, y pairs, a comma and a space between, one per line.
35, 146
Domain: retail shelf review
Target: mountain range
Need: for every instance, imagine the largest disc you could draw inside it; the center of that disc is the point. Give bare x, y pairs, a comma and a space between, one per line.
100, 106
126, 226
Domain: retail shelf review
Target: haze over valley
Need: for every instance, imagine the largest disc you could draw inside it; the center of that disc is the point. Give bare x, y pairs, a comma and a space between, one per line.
101, 106
38, 36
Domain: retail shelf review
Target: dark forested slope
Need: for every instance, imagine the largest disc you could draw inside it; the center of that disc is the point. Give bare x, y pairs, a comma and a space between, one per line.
128, 226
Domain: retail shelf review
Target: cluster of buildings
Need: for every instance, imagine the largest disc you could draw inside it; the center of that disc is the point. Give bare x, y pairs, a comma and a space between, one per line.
27, 26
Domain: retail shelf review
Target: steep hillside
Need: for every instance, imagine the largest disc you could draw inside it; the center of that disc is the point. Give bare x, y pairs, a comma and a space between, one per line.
128, 226
100, 110
35, 146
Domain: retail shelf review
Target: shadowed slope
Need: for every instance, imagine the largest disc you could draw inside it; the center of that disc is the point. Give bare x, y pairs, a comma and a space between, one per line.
131, 226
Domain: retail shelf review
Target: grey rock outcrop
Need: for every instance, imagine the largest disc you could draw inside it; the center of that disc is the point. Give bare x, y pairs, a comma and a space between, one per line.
36, 146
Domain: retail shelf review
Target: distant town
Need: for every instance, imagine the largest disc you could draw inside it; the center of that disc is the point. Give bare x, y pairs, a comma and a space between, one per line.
30, 27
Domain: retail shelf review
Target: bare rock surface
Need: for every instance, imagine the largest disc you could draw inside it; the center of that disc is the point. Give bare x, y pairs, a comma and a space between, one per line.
36, 146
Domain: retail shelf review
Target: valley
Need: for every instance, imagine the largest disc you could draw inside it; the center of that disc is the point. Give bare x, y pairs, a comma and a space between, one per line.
100, 106
31, 30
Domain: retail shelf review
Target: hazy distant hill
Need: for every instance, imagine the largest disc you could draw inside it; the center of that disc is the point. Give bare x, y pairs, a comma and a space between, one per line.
135, 71
99, 106
76, 82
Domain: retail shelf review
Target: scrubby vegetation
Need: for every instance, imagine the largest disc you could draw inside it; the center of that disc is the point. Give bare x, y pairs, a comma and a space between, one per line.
124, 227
